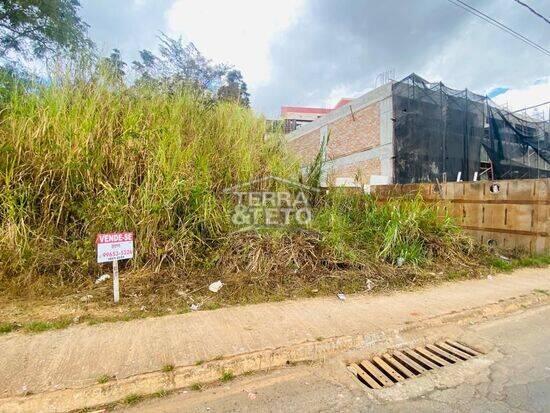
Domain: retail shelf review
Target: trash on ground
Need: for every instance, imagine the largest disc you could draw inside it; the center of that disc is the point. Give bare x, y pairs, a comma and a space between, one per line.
502, 257
102, 278
369, 284
489, 277
86, 298
195, 307
400, 261
215, 286
341, 296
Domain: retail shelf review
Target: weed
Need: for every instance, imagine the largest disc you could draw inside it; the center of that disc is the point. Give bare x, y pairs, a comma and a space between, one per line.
132, 398
104, 378
197, 386
199, 362
39, 326
160, 394
227, 375
541, 291
168, 368
8, 327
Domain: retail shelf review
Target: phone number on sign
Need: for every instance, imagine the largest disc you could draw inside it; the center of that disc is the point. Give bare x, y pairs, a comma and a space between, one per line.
119, 253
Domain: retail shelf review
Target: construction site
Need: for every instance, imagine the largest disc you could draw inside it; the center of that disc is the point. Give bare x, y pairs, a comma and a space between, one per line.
413, 131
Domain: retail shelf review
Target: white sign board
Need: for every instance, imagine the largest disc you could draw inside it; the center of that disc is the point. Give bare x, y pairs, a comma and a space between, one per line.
115, 246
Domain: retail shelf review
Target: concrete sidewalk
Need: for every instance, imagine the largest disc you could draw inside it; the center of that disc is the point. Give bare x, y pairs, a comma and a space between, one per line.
58, 362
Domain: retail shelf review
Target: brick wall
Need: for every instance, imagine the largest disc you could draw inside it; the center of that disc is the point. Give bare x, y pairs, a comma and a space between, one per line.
348, 135
306, 146
361, 171
356, 133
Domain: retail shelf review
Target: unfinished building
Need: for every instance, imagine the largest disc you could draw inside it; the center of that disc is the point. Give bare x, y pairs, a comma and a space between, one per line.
416, 131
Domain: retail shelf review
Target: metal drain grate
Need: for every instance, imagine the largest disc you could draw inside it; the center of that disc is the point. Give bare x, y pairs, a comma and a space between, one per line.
389, 368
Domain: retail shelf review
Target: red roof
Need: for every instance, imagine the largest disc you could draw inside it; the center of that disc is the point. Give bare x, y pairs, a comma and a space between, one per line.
342, 102
302, 109
321, 111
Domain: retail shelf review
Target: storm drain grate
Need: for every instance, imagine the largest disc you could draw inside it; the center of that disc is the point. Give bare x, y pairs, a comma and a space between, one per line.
389, 368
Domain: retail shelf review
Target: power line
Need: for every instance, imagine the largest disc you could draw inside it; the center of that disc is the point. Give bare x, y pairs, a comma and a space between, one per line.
496, 23
531, 107
532, 10
499, 25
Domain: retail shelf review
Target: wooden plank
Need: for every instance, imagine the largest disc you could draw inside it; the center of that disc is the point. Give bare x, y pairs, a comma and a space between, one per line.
457, 352
368, 379
431, 356
506, 231
400, 366
387, 368
441, 353
463, 348
412, 363
372, 369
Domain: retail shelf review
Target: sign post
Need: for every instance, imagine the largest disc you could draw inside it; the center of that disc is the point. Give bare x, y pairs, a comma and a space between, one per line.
112, 248
116, 289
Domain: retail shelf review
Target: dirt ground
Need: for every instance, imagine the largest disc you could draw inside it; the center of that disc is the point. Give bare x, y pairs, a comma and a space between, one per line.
148, 294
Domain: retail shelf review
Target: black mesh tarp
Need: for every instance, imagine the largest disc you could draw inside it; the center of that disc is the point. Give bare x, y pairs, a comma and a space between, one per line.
519, 148
439, 132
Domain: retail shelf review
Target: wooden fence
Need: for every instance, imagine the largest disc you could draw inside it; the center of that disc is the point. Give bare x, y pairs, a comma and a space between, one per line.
509, 214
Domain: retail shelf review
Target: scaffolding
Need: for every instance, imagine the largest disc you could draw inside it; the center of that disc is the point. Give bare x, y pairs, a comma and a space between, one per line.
441, 132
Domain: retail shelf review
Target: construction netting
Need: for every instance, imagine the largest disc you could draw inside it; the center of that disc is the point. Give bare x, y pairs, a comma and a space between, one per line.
444, 134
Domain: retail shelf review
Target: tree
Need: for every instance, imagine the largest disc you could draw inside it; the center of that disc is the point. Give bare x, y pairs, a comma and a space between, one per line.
184, 63
13, 78
180, 64
147, 68
234, 89
115, 64
39, 27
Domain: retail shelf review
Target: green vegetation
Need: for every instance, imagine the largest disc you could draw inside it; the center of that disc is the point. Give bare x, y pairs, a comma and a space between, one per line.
519, 261
78, 157
167, 368
39, 326
197, 386
132, 398
104, 378
8, 327
399, 231
227, 376
159, 394
86, 153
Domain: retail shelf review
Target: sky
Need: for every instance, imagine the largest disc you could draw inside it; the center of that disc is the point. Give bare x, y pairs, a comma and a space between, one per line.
313, 52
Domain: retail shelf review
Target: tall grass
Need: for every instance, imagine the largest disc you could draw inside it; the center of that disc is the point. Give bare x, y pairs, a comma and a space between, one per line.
80, 156
399, 231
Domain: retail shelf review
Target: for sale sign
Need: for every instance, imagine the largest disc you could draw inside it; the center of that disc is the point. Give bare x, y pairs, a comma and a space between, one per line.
115, 246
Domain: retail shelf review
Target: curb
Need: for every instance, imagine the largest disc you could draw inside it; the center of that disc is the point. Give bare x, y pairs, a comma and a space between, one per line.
70, 399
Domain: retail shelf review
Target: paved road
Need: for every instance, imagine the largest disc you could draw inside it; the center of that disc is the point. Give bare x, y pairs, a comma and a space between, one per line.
517, 381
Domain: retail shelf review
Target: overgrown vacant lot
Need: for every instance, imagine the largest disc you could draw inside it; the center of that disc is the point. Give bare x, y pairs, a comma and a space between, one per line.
81, 156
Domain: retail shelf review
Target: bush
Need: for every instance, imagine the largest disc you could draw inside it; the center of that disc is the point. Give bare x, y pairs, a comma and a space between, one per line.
79, 157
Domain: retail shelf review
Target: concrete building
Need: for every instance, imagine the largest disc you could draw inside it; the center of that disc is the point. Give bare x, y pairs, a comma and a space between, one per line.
360, 148
296, 116
417, 131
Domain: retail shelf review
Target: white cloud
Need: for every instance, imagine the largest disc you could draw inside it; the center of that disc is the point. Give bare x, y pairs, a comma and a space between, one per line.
529, 96
237, 32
